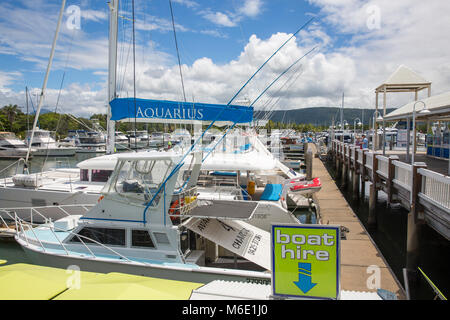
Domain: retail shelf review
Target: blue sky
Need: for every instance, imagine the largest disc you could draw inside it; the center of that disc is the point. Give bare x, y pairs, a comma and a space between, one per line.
359, 44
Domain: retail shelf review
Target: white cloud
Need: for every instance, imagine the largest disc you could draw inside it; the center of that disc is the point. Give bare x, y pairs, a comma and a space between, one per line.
187, 3
219, 18
6, 78
351, 58
94, 15
251, 8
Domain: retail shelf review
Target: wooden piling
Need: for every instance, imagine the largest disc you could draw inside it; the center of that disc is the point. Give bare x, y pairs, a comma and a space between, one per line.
373, 194
389, 183
414, 225
309, 155
363, 174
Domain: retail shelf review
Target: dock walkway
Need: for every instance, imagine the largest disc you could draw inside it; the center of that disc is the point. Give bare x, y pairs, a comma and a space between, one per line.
358, 251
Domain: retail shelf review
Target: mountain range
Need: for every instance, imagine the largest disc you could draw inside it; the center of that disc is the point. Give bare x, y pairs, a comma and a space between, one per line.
319, 116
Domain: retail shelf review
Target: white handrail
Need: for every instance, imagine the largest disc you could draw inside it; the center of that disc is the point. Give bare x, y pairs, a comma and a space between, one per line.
369, 159
383, 166
360, 156
403, 174
436, 187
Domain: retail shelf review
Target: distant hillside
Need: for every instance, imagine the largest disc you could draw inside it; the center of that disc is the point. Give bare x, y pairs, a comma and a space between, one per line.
320, 115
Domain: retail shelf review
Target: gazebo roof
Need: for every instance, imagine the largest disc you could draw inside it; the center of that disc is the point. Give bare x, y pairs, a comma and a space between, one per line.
439, 107
404, 80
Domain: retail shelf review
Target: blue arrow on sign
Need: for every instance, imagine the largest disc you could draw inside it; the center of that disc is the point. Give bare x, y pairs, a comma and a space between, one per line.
304, 277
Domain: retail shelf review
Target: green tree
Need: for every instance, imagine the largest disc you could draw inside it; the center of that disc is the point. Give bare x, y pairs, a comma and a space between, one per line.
11, 111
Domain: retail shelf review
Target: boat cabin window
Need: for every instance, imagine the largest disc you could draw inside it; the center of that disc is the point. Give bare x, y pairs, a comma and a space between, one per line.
96, 175
100, 175
84, 174
141, 238
140, 180
107, 236
14, 146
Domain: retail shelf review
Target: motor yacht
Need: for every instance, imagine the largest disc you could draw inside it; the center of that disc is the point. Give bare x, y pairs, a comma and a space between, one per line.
45, 145
11, 146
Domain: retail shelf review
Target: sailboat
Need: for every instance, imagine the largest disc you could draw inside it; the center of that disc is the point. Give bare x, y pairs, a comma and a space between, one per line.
151, 218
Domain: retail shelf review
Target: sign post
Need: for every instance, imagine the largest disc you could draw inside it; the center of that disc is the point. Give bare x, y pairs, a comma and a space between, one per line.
305, 261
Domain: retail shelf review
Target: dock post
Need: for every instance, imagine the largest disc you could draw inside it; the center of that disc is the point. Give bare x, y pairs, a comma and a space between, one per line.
389, 181
309, 163
373, 196
414, 224
362, 172
344, 167
338, 159
355, 176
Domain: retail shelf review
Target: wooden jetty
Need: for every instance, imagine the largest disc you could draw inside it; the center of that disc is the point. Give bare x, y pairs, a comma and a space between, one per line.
423, 192
360, 256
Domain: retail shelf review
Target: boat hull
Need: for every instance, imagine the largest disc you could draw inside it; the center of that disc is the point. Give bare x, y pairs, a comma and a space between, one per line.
58, 152
13, 197
179, 273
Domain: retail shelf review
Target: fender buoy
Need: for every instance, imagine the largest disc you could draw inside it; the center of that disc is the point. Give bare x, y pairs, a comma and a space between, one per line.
174, 211
100, 199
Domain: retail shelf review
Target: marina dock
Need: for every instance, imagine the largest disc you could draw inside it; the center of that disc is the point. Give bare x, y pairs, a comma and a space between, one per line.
359, 254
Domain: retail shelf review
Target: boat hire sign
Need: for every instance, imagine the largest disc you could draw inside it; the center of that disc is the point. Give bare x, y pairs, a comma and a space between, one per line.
305, 261
145, 110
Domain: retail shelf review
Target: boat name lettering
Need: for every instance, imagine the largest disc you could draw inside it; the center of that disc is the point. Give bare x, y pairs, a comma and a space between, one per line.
203, 224
237, 243
254, 244
168, 113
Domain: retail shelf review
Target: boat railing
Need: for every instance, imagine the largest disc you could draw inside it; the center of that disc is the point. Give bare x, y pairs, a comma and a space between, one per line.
44, 214
183, 202
5, 169
23, 227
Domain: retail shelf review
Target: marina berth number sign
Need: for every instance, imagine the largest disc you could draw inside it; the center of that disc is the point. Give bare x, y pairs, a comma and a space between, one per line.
305, 261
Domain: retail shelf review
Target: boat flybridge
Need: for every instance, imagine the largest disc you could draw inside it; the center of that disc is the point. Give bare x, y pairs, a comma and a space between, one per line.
150, 220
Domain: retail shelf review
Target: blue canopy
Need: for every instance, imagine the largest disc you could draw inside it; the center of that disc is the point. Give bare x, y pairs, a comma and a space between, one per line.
123, 109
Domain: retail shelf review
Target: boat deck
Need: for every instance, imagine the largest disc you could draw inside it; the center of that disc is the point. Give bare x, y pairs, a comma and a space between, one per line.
359, 253
62, 180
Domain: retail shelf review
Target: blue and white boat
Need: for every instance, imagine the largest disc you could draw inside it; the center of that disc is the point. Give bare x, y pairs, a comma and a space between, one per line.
150, 221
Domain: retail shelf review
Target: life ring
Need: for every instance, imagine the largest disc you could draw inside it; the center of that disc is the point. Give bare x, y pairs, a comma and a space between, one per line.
174, 211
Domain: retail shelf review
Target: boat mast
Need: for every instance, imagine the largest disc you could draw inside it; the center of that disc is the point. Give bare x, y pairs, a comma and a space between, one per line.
41, 99
28, 118
112, 68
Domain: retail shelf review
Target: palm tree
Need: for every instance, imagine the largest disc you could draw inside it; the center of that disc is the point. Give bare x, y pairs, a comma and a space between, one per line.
10, 112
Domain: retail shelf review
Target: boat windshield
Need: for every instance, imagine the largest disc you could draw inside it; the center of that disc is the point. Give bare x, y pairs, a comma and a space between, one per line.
139, 180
